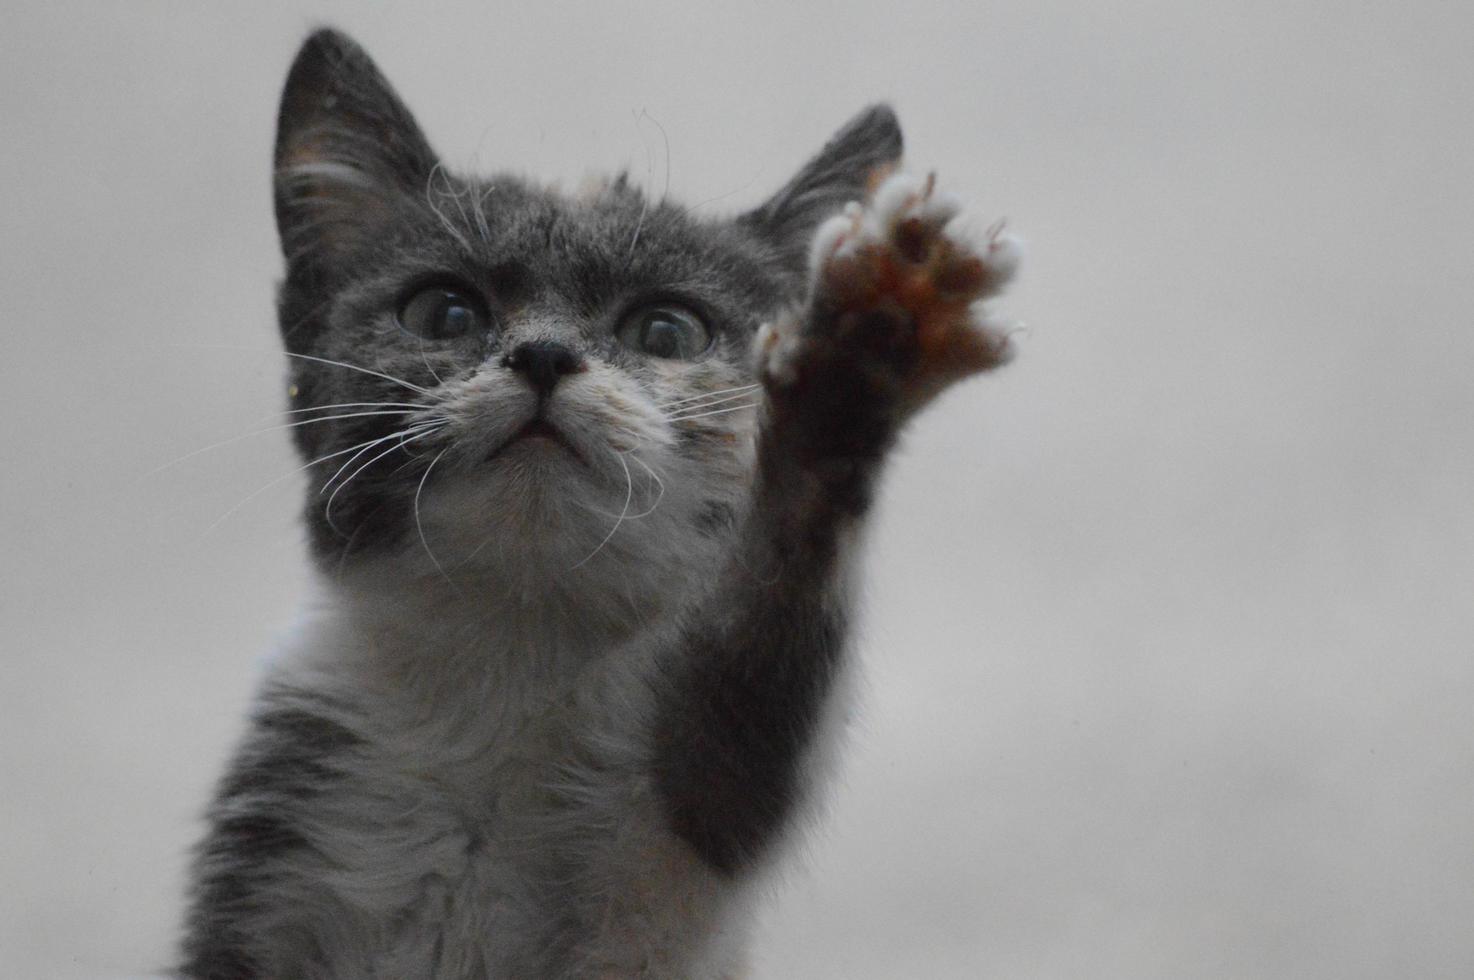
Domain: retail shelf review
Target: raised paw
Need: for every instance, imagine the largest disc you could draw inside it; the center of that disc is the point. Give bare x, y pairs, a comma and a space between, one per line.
895, 301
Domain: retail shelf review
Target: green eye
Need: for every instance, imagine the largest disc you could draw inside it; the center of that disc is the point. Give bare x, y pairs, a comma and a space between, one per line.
440, 313
665, 331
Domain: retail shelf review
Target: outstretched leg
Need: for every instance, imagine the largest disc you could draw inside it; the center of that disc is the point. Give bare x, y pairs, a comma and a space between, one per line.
892, 319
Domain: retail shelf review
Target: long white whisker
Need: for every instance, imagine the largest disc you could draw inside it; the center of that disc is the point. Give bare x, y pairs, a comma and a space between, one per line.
644, 199
320, 307
430, 201
654, 478
481, 212
628, 496
285, 476
709, 403
256, 432
455, 195
322, 408
477, 550
307, 357
660, 485
346, 415
354, 367
720, 411
717, 391
420, 528
706, 394
364, 447
665, 190
478, 212
327, 512
426, 361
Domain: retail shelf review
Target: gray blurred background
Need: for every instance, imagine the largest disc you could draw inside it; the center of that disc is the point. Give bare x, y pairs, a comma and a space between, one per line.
1169, 637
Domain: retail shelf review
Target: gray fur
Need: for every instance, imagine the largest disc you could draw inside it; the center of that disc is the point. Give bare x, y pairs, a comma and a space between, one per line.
552, 713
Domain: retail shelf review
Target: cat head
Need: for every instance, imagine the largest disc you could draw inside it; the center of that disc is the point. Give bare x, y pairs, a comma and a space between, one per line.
496, 379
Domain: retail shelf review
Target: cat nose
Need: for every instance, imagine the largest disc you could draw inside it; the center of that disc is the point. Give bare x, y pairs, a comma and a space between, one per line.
542, 363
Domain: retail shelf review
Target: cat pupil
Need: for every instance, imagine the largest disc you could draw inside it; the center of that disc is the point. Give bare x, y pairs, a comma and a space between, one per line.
662, 337
456, 319
437, 313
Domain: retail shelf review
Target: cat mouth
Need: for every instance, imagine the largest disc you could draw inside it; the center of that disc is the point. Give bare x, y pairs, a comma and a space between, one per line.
538, 432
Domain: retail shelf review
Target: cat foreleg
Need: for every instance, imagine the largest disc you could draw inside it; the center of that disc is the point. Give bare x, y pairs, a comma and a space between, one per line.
891, 320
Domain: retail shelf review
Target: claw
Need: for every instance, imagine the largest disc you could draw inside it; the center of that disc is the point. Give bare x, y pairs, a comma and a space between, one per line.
901, 286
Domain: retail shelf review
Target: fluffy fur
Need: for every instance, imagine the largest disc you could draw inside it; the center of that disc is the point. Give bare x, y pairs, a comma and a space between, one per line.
581, 620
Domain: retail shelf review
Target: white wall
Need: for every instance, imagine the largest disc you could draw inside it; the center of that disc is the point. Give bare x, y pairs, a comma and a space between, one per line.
1170, 624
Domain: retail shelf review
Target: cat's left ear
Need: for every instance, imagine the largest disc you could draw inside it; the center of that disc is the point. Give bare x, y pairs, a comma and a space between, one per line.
348, 153
853, 161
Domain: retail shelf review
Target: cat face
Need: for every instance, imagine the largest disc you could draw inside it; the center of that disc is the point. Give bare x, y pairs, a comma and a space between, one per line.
502, 377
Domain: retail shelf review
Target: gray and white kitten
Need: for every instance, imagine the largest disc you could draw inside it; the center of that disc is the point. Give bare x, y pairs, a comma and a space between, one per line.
587, 478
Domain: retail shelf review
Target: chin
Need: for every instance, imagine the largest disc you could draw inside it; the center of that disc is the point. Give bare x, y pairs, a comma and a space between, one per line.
536, 508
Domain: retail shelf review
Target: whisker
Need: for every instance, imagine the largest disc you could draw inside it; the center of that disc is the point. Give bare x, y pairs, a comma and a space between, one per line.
364, 447
454, 193
478, 211
354, 367
439, 170
309, 357
710, 403
262, 489
346, 415
720, 411
327, 512
420, 528
706, 394
321, 408
488, 539
665, 190
722, 197
628, 496
644, 197
426, 361
659, 483
655, 478
256, 432
310, 314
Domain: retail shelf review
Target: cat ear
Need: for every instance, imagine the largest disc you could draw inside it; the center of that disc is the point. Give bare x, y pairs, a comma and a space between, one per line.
347, 152
863, 151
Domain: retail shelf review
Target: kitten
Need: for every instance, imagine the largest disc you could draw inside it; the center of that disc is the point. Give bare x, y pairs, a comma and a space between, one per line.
588, 477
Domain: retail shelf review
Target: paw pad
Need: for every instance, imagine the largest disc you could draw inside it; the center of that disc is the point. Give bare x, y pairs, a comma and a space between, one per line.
897, 284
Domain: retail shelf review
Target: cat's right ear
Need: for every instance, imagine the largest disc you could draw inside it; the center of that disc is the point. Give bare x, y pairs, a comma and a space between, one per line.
848, 167
347, 154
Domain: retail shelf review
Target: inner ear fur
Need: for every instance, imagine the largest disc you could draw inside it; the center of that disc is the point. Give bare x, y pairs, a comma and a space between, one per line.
850, 165
347, 149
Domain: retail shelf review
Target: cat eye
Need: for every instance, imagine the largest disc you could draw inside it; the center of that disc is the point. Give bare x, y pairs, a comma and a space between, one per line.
665, 330
443, 312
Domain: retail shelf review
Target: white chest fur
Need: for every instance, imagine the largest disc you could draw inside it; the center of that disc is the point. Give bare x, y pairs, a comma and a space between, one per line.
493, 817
